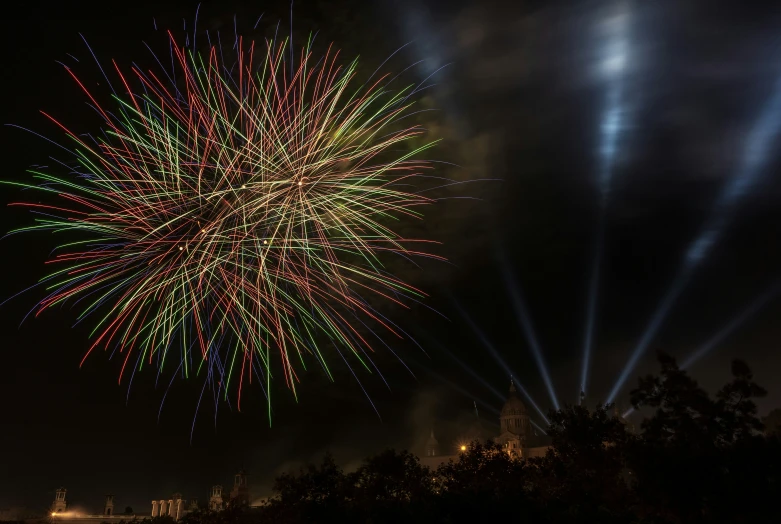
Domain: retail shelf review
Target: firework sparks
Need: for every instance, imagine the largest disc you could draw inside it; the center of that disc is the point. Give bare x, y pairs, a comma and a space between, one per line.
235, 220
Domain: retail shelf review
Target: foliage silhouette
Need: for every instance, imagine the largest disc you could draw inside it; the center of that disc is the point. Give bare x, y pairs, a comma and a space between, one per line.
697, 459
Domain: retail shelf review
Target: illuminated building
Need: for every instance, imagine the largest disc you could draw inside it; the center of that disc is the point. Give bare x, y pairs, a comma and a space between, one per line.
239, 495
173, 507
108, 508
240, 492
59, 512
516, 435
59, 505
216, 500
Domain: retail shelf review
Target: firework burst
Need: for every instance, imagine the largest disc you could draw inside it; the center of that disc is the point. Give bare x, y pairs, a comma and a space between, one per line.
232, 220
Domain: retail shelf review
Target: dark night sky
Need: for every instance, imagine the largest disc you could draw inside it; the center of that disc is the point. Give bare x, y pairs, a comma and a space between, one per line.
520, 102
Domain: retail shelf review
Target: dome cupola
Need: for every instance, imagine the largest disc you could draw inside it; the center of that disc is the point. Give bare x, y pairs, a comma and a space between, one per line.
514, 417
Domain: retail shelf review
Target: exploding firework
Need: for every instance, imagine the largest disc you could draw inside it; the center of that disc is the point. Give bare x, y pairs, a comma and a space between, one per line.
233, 219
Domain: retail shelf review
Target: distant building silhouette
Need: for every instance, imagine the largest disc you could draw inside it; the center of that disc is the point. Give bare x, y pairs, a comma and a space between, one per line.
216, 502
175, 507
516, 435
108, 508
240, 491
59, 504
59, 512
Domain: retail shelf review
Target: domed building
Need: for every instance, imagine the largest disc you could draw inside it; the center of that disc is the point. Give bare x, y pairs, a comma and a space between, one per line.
516, 433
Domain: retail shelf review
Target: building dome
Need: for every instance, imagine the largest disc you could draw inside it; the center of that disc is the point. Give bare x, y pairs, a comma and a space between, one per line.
514, 418
514, 405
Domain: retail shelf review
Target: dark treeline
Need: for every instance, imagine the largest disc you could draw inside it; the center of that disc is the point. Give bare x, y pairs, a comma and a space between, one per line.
697, 459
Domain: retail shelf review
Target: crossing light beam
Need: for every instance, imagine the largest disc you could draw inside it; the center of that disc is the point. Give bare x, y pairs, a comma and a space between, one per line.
756, 150
528, 331
495, 354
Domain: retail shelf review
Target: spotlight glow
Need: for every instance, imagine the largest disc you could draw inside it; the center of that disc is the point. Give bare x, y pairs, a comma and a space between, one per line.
613, 67
494, 353
467, 394
591, 308
529, 398
757, 147
727, 330
538, 427
528, 329
615, 56
615, 63
734, 324
469, 370
650, 332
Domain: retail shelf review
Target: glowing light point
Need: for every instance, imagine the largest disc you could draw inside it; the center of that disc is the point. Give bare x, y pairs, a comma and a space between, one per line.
244, 186
181, 248
614, 64
463, 448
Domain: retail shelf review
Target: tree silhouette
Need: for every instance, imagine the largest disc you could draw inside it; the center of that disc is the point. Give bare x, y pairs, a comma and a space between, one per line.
485, 483
772, 422
696, 456
391, 487
165, 519
231, 514
315, 494
698, 459
582, 477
